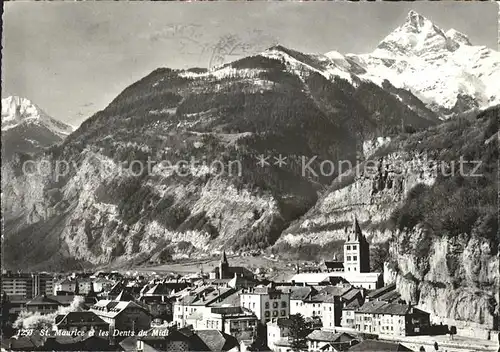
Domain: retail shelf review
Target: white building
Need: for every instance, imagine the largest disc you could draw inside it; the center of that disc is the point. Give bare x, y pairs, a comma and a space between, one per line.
64, 285
277, 332
231, 320
84, 286
196, 303
266, 302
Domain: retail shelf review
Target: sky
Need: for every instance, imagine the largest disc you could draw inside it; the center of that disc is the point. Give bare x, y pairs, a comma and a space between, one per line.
73, 58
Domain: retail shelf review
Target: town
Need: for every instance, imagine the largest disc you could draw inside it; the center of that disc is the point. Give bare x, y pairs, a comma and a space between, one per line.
337, 306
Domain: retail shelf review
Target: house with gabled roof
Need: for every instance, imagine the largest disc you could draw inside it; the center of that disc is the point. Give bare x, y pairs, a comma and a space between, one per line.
330, 341
80, 321
42, 304
122, 315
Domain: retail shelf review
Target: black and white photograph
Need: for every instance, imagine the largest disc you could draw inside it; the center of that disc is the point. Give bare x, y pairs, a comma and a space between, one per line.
236, 176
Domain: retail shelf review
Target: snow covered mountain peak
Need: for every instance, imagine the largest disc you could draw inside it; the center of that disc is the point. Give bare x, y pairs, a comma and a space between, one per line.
417, 22
416, 36
442, 68
17, 111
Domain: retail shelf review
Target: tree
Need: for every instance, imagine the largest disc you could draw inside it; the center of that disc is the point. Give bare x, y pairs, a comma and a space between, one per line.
453, 331
298, 332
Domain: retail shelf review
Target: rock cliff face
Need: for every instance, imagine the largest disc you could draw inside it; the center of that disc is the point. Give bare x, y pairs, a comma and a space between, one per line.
371, 192
454, 278
441, 228
79, 219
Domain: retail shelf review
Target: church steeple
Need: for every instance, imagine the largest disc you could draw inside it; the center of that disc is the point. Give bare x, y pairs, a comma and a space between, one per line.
223, 266
223, 258
356, 250
356, 230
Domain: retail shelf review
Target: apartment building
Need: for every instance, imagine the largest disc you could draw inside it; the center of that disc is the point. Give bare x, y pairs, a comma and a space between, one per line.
193, 304
267, 302
27, 285
379, 317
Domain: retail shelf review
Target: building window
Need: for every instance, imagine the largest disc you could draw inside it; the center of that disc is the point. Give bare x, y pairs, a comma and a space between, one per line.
348, 248
283, 313
275, 304
348, 258
354, 247
275, 313
354, 258
266, 314
267, 305
283, 304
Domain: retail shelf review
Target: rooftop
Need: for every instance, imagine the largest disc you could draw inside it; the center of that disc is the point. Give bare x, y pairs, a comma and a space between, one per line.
379, 346
329, 336
43, 300
110, 309
381, 291
80, 318
381, 307
217, 340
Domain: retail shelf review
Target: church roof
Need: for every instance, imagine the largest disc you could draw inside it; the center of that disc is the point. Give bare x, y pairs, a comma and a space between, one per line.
355, 235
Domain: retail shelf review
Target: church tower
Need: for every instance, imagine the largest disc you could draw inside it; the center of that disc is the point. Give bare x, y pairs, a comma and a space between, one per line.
356, 250
223, 266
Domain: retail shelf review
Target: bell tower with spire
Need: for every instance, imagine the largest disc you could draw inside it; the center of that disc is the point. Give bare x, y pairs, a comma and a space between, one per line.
223, 266
356, 250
